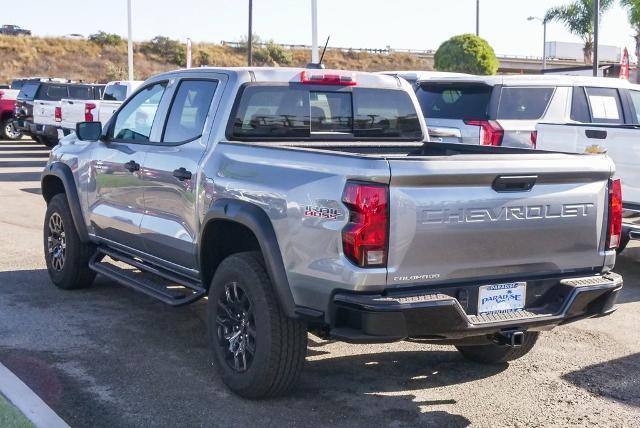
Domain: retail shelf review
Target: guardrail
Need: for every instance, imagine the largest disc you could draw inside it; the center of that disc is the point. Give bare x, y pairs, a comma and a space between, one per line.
389, 50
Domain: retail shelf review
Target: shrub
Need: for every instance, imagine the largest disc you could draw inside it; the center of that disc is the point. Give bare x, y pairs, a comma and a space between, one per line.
204, 58
105, 39
466, 53
170, 50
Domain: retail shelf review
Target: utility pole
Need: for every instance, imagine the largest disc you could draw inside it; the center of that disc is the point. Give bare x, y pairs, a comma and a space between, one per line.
250, 37
130, 41
596, 21
477, 17
314, 32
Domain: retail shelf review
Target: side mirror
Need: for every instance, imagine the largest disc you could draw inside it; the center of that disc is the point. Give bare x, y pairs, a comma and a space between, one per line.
88, 131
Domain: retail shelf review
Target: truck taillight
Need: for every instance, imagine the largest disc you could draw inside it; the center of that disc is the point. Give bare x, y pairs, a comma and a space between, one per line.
58, 114
1, 94
365, 237
88, 112
491, 132
534, 139
615, 214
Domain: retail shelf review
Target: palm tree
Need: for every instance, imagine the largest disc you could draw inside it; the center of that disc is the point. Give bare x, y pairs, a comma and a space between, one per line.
578, 18
633, 9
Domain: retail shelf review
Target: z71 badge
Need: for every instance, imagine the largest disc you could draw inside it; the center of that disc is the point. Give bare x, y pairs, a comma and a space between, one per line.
321, 212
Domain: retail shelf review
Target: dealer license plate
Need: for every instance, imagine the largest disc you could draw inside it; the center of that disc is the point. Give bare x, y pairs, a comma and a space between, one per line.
505, 297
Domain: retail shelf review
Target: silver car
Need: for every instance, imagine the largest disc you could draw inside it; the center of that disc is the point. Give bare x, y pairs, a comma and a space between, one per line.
504, 110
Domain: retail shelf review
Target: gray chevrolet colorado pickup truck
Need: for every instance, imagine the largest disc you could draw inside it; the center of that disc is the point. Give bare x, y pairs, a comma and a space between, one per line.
311, 200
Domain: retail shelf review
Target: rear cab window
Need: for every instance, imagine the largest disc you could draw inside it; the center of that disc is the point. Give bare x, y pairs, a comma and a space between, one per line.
52, 92
524, 103
115, 92
81, 92
314, 112
455, 101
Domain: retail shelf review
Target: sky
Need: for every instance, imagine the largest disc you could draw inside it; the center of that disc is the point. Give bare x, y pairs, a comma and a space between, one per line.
401, 24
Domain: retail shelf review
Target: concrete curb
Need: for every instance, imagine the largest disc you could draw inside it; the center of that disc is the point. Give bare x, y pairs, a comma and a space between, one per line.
31, 406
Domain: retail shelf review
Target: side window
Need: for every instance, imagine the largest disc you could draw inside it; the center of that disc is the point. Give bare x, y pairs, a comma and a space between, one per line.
524, 103
605, 105
580, 106
635, 99
135, 119
189, 110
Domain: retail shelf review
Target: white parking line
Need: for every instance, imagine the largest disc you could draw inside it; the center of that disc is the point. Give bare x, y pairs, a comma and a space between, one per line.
32, 406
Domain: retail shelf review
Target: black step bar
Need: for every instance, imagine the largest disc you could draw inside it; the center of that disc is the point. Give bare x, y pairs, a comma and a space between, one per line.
195, 291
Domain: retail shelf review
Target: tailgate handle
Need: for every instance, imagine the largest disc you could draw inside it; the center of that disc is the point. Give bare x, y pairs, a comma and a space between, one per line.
596, 134
514, 183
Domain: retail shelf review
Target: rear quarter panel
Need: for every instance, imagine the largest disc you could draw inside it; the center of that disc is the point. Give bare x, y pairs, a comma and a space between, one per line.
287, 184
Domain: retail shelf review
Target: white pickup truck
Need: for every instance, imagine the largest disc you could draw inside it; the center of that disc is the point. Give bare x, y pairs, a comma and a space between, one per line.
620, 142
73, 111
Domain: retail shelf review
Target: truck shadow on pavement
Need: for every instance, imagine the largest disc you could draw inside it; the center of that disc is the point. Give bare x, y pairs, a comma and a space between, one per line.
107, 356
617, 379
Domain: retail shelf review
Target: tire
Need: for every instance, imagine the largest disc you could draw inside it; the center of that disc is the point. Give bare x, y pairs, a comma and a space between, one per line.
8, 131
498, 354
66, 255
48, 141
624, 241
242, 286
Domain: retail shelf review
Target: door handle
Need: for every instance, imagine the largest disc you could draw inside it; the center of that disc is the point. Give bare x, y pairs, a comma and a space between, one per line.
132, 166
182, 174
514, 183
596, 134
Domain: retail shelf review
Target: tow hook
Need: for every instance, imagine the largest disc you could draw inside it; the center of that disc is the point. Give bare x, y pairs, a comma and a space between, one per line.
515, 339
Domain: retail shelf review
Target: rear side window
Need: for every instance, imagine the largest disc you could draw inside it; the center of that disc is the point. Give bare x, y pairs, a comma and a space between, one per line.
51, 92
81, 92
635, 99
523, 103
189, 110
580, 106
115, 93
302, 112
454, 101
29, 91
605, 105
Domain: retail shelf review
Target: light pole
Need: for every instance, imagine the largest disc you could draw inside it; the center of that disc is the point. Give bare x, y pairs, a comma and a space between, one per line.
315, 58
544, 39
130, 41
250, 36
477, 17
596, 21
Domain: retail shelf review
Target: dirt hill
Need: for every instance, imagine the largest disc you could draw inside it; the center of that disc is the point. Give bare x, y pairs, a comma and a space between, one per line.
93, 62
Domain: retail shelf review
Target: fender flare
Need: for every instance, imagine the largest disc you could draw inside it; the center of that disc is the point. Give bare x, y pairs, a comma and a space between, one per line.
257, 221
64, 174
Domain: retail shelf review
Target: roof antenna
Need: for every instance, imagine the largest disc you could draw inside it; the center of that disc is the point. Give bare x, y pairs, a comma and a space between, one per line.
319, 65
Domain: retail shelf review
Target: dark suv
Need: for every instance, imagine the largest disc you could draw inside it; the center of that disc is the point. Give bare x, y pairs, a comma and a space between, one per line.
47, 94
14, 30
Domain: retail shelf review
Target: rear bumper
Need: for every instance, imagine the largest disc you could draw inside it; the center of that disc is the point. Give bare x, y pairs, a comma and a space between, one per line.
631, 222
439, 316
31, 128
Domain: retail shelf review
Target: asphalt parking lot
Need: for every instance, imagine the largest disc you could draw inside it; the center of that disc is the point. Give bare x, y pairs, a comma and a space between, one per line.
108, 356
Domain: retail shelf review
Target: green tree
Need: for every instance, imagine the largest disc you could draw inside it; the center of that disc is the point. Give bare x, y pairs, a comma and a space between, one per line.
168, 49
577, 17
466, 53
633, 10
105, 39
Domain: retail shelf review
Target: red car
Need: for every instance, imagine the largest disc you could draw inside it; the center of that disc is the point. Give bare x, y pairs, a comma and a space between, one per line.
8, 130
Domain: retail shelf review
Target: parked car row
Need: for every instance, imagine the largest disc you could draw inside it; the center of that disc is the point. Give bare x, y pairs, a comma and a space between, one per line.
48, 109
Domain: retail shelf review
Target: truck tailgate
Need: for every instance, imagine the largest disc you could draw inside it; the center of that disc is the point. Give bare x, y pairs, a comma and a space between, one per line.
469, 217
